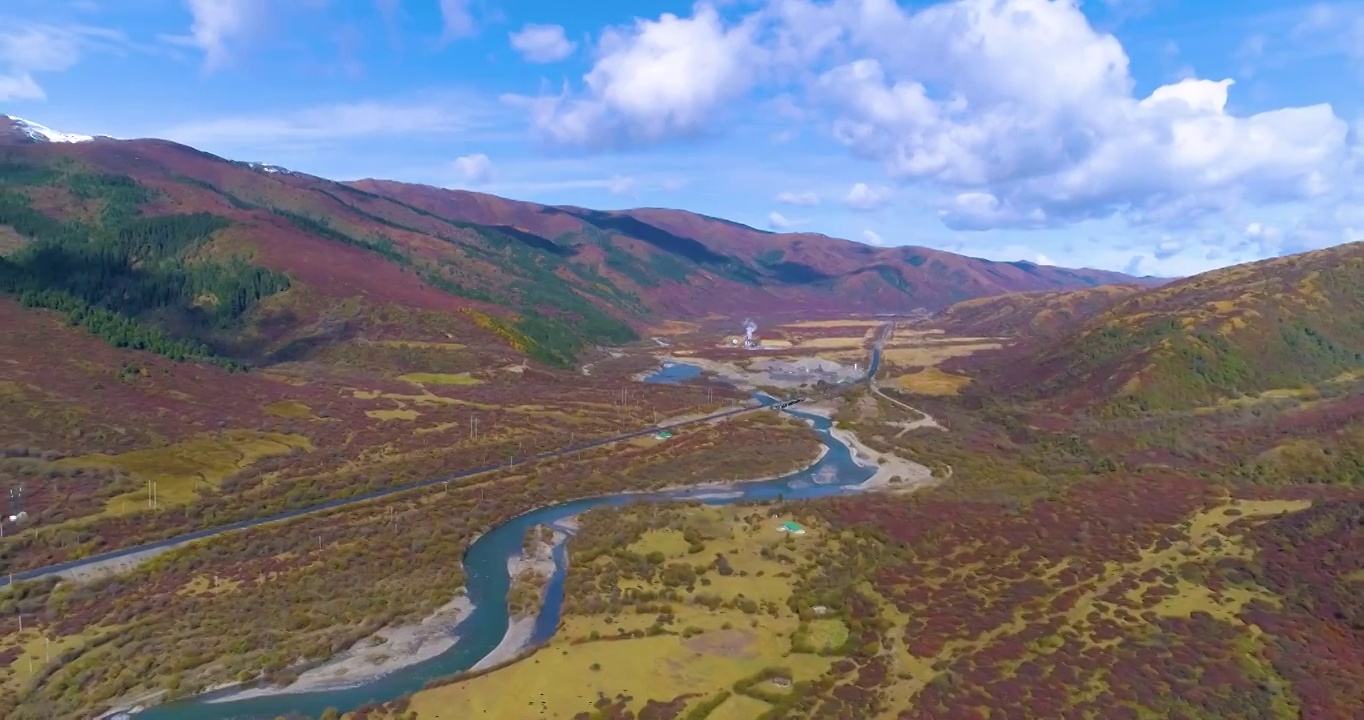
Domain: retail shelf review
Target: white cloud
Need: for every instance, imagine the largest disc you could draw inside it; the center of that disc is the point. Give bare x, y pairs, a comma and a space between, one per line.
20, 86
1025, 115
27, 49
330, 122
1005, 113
867, 198
871, 237
542, 43
1042, 259
476, 169
456, 20
805, 199
777, 221
621, 185
218, 24
657, 79
1333, 26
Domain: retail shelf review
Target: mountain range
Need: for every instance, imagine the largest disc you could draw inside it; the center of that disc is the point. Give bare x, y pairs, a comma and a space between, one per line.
199, 255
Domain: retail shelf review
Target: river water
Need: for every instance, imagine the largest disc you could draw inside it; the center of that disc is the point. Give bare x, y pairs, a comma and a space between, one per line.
485, 564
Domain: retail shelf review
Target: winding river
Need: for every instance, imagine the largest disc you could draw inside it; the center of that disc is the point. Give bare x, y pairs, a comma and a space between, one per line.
485, 564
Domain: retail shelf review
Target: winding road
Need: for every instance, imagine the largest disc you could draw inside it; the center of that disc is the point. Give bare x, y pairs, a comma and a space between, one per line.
138, 553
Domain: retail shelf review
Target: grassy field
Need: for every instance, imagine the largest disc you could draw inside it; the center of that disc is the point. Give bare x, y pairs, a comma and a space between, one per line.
932, 381
723, 626
674, 327
653, 614
929, 355
421, 344
850, 323
440, 379
326, 580
182, 469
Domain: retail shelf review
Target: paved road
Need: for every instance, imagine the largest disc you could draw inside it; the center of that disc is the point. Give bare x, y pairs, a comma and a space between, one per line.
144, 550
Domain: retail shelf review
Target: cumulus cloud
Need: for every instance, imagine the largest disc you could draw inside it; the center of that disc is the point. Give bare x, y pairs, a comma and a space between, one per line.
805, 199
656, 79
542, 43
1006, 113
1025, 115
1313, 229
866, 198
871, 237
475, 169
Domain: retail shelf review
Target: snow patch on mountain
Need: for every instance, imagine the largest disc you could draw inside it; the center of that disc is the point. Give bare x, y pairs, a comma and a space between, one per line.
270, 169
43, 133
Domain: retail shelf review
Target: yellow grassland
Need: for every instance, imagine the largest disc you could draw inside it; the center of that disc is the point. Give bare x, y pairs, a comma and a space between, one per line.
930, 355
730, 645
849, 323
932, 381
669, 328
181, 469
440, 379
422, 344
400, 414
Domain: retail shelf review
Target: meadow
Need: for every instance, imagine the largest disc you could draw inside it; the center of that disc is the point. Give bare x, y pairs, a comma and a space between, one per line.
1141, 596
192, 617
667, 607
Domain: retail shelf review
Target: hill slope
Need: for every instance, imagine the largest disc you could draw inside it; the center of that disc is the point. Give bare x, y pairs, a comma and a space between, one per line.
691, 264
1031, 314
234, 259
1281, 323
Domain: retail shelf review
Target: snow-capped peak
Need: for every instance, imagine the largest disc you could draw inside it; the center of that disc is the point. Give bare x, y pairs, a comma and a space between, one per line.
43, 133
267, 168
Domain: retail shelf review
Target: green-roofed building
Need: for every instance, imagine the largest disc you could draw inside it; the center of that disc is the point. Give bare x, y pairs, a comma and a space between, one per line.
792, 527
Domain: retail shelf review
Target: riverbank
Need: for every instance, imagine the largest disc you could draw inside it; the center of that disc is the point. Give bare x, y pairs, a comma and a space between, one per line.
912, 475
521, 634
538, 564
387, 650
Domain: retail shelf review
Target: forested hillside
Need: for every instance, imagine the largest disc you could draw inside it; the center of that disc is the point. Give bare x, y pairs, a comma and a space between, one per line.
1282, 324
193, 255
130, 279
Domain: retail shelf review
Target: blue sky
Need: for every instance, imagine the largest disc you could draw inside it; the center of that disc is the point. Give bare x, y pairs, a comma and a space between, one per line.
1154, 136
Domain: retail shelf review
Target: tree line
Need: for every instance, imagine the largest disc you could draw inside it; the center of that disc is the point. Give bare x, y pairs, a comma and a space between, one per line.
114, 275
